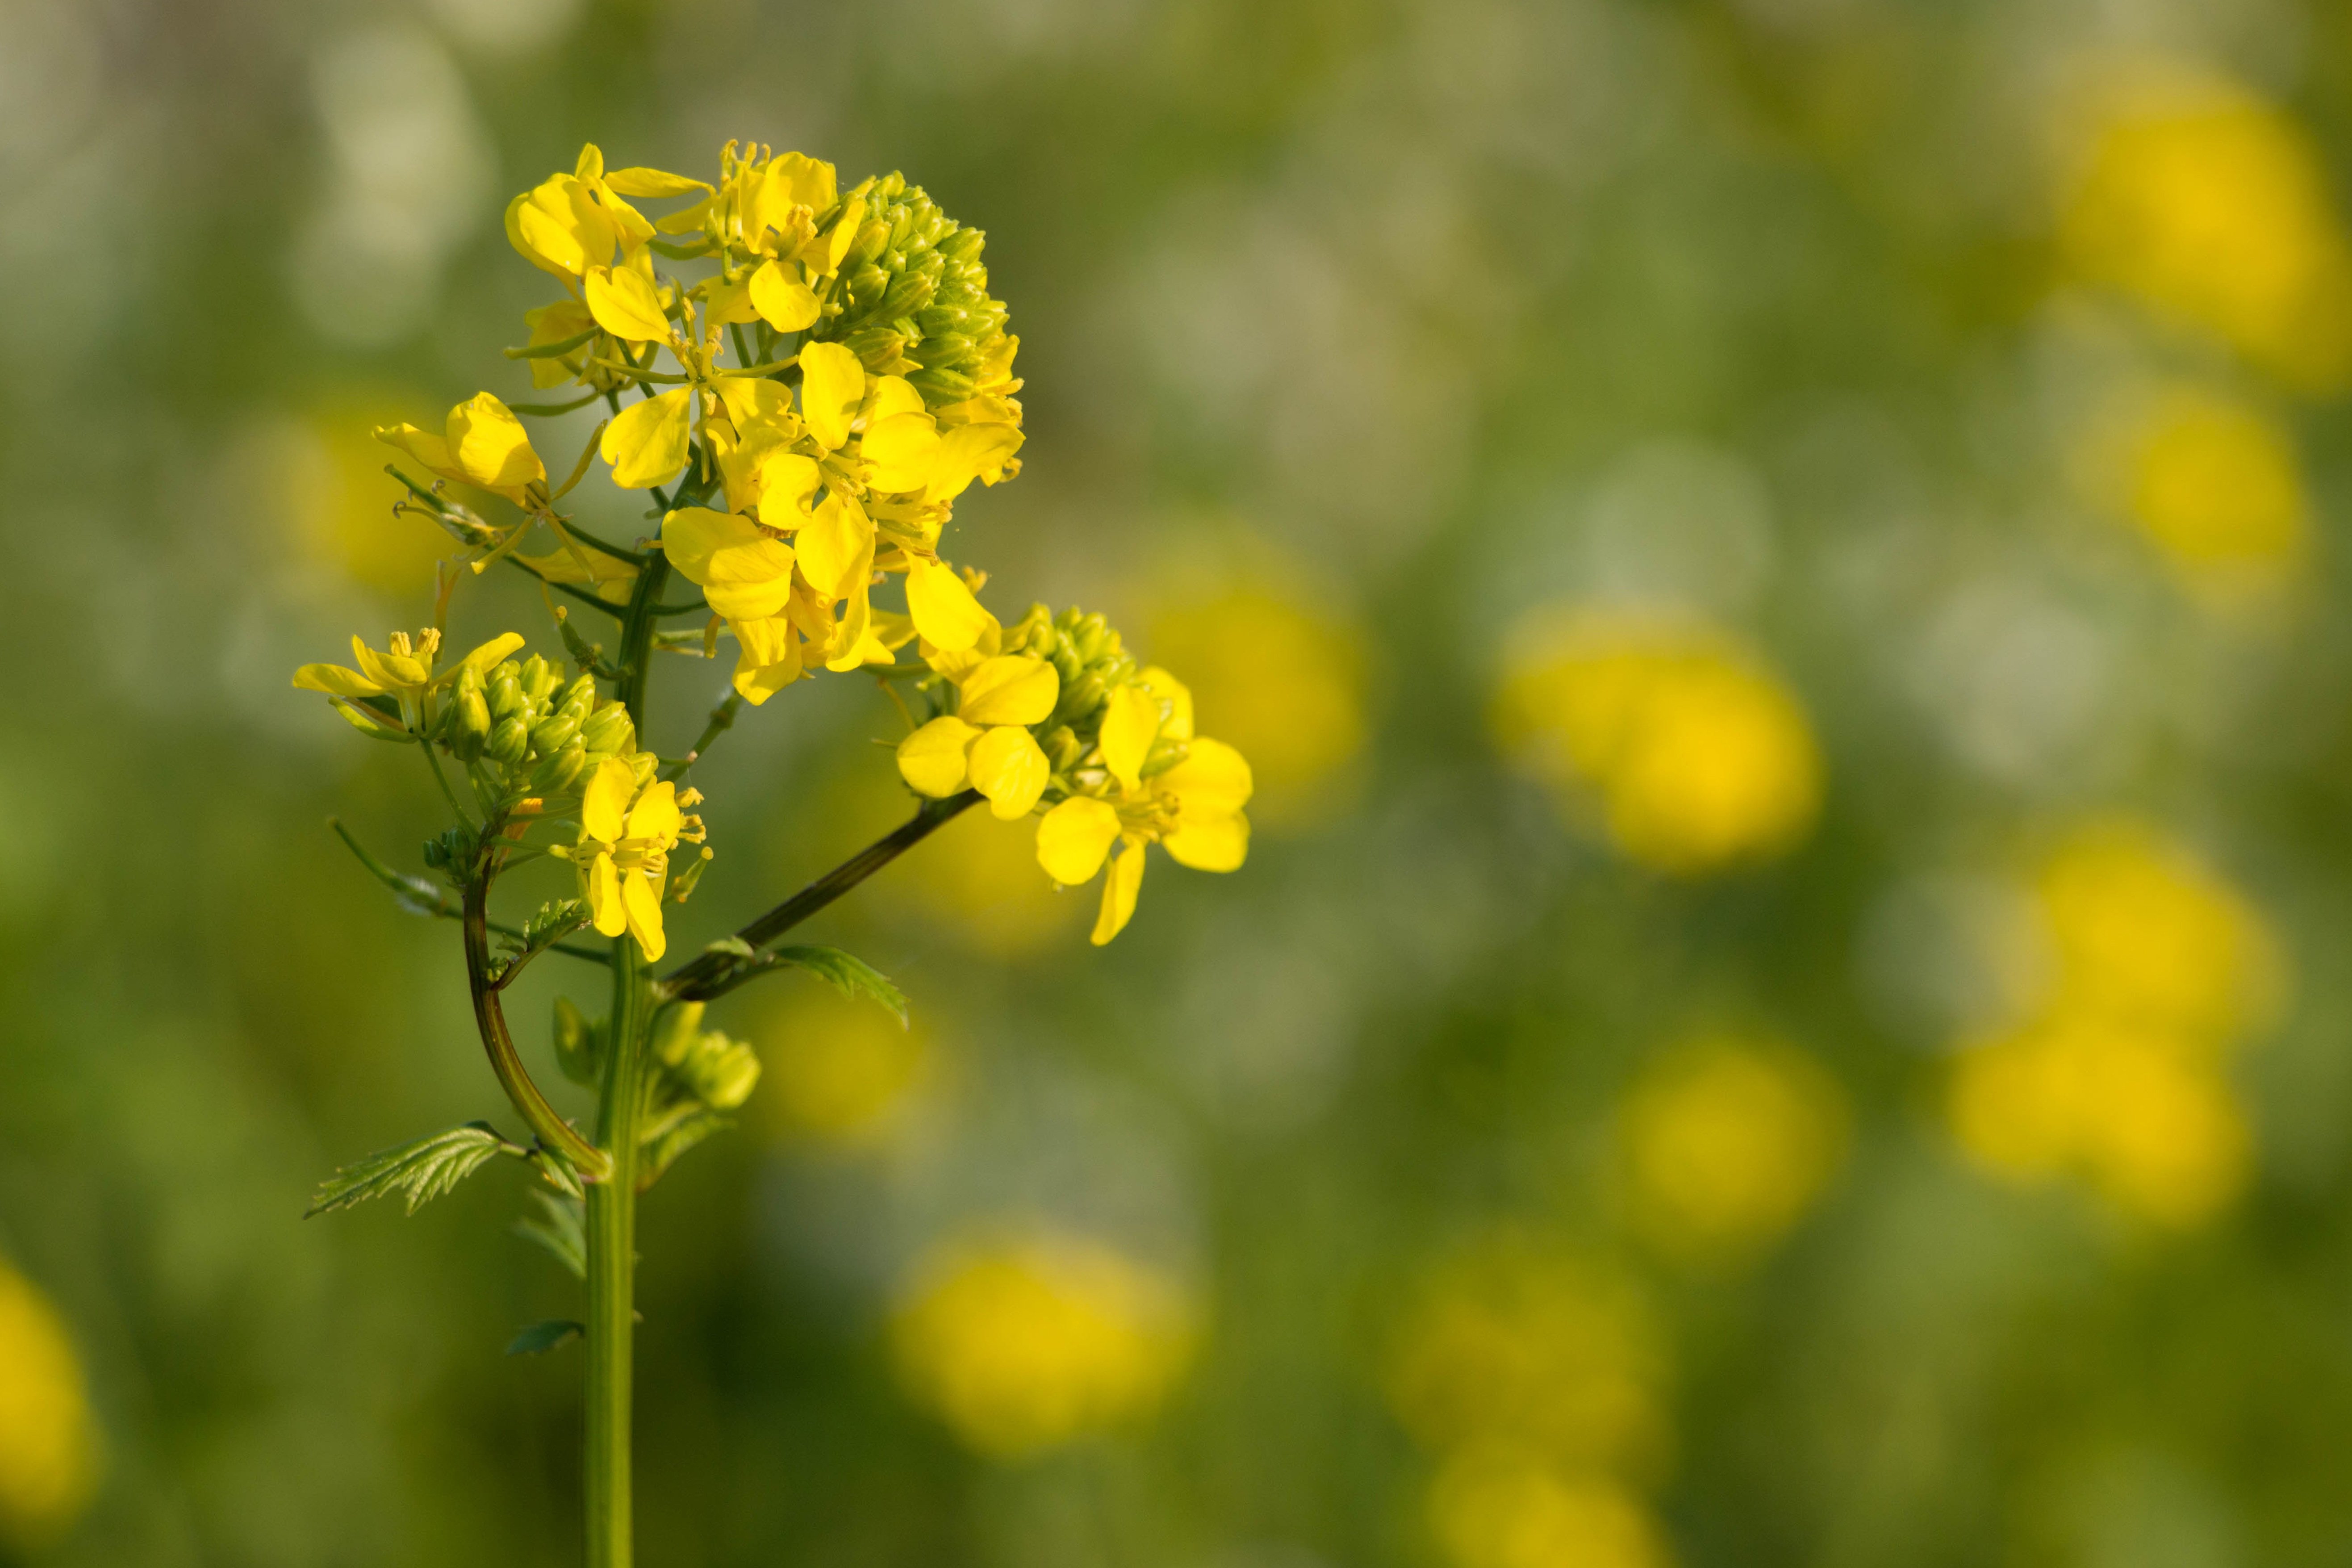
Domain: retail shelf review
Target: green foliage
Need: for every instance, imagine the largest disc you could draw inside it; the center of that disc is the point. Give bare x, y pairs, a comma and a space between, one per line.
558, 1226
673, 1136
542, 1337
579, 1043
847, 973
423, 1170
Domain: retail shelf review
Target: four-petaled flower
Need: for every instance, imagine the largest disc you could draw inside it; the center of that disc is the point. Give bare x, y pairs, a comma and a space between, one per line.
403, 673
986, 742
629, 822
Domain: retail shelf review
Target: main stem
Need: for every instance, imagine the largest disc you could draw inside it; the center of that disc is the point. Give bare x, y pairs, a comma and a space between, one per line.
613, 1202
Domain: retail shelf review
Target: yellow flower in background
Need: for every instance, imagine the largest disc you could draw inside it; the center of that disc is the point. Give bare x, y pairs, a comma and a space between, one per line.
1698, 757
2214, 208
2159, 972
978, 878
1021, 1345
2156, 1131
1517, 1345
1281, 680
1725, 1143
325, 475
1489, 1509
49, 1437
2145, 934
840, 1069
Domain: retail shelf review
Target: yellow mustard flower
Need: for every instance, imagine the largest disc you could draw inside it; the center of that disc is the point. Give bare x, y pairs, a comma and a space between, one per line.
49, 1457
986, 741
1506, 1510
1726, 1143
841, 1070
1516, 1343
1700, 757
1027, 1343
482, 444
2210, 477
404, 673
570, 222
2214, 208
629, 822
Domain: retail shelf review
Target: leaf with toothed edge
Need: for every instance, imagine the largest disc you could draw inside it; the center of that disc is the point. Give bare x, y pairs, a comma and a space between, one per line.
847, 973
559, 1227
423, 1170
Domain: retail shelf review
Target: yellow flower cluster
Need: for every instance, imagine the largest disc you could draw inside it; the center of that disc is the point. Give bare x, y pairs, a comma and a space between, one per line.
1537, 1380
1700, 758
49, 1439
1725, 1143
629, 823
1053, 711
1023, 1345
2162, 971
2213, 208
2213, 480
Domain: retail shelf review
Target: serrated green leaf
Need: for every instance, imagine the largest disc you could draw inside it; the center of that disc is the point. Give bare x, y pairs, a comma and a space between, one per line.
560, 1228
847, 973
662, 1150
540, 1338
423, 1170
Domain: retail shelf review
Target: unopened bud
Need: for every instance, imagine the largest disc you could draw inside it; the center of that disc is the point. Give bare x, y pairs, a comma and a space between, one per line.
551, 735
509, 738
608, 730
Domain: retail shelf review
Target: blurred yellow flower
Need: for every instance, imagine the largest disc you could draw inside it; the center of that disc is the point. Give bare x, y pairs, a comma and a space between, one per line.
1514, 1343
2213, 207
2145, 935
2217, 485
1506, 1511
840, 1069
1023, 1345
1725, 1143
327, 474
49, 1439
1699, 756
2159, 971
1282, 681
2157, 1131
979, 878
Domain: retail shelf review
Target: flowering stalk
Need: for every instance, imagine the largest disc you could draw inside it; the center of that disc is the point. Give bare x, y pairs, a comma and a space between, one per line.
870, 387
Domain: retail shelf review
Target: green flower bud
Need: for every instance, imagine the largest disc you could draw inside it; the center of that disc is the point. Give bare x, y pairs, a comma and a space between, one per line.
578, 698
1164, 753
538, 680
505, 688
1062, 748
552, 734
717, 1071
1080, 699
608, 730
510, 739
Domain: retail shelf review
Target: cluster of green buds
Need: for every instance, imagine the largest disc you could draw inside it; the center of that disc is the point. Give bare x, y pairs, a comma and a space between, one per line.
1093, 662
914, 297
702, 1075
535, 735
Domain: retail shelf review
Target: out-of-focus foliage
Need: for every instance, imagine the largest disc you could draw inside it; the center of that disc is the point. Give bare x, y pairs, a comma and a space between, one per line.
1779, 566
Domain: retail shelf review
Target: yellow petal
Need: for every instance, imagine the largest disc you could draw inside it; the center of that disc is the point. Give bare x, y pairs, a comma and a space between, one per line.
590, 165
646, 443
655, 815
604, 897
845, 650
1177, 725
652, 185
558, 228
755, 404
969, 452
556, 323
627, 304
604, 805
1009, 769
1131, 723
1213, 779
787, 481
1126, 880
391, 671
744, 574
824, 254
799, 180
487, 657
932, 759
944, 610
900, 452
1013, 688
835, 544
1074, 836
893, 396
429, 450
833, 383
767, 663
1209, 842
783, 301
641, 901
335, 680
489, 447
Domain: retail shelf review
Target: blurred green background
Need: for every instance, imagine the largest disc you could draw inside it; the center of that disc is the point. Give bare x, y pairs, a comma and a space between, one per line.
1775, 560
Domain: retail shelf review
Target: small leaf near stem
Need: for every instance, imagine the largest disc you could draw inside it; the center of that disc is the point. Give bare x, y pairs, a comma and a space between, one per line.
423, 1170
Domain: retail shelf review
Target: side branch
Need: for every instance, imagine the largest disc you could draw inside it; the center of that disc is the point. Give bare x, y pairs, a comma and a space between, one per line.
490, 1018
725, 966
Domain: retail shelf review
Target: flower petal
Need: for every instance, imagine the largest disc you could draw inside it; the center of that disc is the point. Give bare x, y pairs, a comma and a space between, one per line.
1011, 770
944, 610
759, 676
489, 446
641, 901
1209, 841
745, 575
655, 815
1213, 779
335, 680
652, 185
1131, 723
604, 805
932, 759
430, 450
835, 544
604, 897
1012, 688
900, 452
485, 658
646, 443
754, 404
1119, 889
1178, 726
787, 481
783, 301
833, 383
969, 452
1074, 836
628, 305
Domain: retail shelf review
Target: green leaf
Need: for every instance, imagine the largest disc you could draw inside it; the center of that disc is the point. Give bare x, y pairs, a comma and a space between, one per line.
540, 1338
413, 894
423, 1170
662, 1150
848, 974
559, 1227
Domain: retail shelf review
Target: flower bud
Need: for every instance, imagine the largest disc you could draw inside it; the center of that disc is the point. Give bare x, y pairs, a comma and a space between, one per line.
469, 723
608, 730
1062, 748
552, 734
578, 698
509, 738
563, 771
537, 678
505, 691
